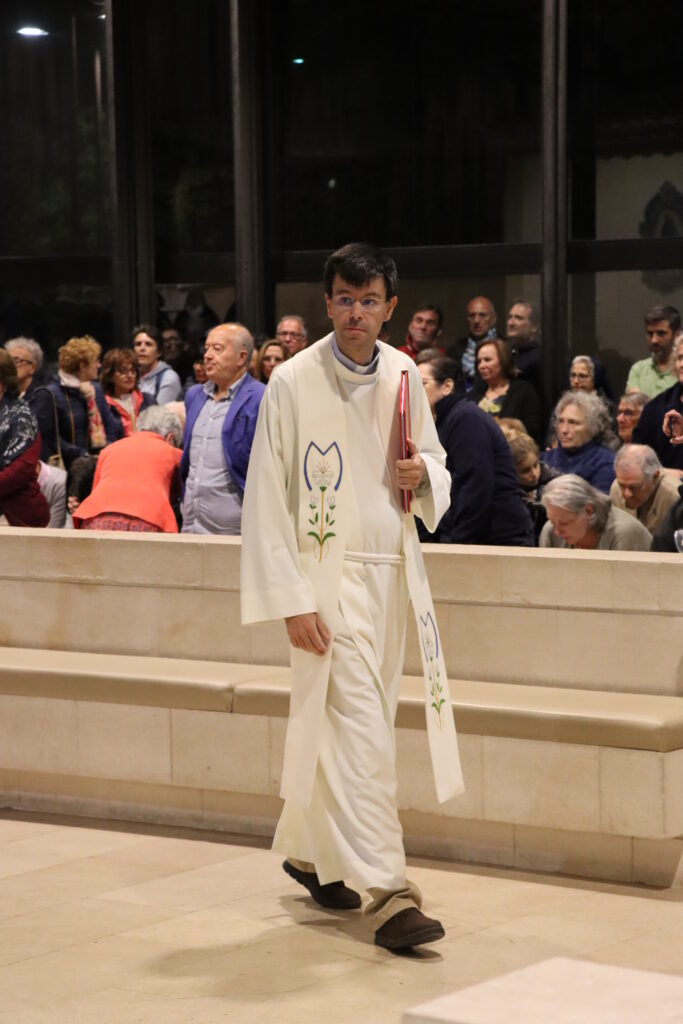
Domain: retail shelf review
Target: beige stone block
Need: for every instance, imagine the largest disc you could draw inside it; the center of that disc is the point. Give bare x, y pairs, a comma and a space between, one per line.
246, 813
461, 574
415, 775
670, 585
215, 750
220, 563
118, 741
479, 842
502, 644
631, 792
202, 624
266, 643
561, 852
38, 617
635, 586
537, 580
673, 793
38, 734
551, 785
617, 651
110, 619
658, 862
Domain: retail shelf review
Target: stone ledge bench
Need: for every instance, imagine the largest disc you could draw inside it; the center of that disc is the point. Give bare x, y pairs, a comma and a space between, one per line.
567, 780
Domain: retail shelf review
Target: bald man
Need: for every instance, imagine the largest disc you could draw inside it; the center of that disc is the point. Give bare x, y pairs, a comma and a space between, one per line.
481, 326
221, 420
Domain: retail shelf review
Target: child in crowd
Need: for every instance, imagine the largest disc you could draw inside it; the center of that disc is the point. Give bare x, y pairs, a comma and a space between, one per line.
533, 475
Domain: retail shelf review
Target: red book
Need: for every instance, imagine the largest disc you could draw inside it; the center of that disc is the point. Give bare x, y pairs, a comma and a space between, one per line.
404, 419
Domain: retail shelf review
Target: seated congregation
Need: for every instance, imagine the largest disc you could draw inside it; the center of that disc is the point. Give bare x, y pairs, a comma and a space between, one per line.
156, 436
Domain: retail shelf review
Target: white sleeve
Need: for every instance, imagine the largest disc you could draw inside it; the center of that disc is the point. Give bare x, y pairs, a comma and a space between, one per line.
273, 584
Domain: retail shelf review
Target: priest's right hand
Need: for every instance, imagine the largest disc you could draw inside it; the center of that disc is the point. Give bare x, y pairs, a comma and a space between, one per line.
308, 632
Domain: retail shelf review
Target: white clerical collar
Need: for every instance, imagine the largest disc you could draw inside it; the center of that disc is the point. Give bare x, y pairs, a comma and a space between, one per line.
371, 367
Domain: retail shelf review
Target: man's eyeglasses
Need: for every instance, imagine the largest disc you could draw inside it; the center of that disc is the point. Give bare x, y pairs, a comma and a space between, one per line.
22, 362
346, 303
289, 334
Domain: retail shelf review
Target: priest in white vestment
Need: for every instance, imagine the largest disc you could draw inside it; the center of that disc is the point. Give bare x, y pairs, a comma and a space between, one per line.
327, 547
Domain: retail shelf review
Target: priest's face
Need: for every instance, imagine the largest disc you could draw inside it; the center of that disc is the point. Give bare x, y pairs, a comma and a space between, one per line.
357, 314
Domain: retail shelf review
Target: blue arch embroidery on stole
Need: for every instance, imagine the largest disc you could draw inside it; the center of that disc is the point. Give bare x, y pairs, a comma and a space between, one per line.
324, 468
429, 637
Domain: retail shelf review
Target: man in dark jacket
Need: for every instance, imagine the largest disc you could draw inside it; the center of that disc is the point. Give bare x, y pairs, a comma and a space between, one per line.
221, 420
486, 501
650, 427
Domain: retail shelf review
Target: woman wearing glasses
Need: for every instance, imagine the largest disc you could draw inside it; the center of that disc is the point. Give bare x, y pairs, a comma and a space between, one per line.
119, 380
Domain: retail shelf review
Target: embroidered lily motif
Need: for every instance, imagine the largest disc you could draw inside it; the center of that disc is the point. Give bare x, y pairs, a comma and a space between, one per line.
320, 520
430, 648
322, 473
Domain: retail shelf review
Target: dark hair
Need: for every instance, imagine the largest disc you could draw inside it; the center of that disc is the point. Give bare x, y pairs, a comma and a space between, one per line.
429, 307
358, 263
80, 476
505, 356
116, 359
153, 332
8, 374
668, 313
444, 368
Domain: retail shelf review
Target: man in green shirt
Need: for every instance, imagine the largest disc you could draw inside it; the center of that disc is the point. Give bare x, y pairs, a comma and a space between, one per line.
656, 374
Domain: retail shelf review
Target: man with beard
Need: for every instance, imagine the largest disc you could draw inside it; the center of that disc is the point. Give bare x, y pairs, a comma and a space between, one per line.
656, 373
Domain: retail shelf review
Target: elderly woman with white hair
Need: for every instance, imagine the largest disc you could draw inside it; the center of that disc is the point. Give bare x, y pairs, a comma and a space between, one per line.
578, 419
579, 516
137, 479
27, 356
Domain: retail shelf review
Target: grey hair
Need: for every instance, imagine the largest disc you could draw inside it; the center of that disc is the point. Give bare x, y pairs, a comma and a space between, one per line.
293, 316
30, 345
573, 493
157, 419
644, 457
591, 405
637, 398
678, 341
587, 361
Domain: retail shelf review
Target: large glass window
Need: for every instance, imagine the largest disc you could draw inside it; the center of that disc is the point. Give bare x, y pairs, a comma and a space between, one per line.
190, 118
404, 126
305, 298
54, 166
606, 313
625, 119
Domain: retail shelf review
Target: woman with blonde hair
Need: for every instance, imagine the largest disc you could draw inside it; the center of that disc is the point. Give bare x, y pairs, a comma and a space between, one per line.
270, 355
85, 423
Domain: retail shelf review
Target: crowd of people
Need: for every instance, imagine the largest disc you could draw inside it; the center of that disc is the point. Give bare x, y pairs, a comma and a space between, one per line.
156, 435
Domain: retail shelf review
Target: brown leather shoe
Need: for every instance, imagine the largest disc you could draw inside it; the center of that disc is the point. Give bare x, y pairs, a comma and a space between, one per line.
408, 928
334, 895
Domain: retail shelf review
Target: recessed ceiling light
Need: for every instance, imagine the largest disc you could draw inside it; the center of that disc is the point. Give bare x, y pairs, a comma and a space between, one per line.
298, 60
30, 31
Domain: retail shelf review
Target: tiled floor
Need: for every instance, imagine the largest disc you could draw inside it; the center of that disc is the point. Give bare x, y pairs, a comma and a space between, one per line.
123, 924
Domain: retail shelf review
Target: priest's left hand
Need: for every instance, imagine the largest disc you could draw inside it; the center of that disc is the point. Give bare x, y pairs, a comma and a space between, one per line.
411, 471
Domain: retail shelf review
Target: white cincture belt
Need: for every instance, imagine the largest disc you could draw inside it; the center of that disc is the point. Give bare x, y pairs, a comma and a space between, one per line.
374, 558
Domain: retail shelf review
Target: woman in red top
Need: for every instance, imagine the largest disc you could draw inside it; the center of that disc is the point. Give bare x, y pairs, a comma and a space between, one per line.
119, 380
137, 479
21, 500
